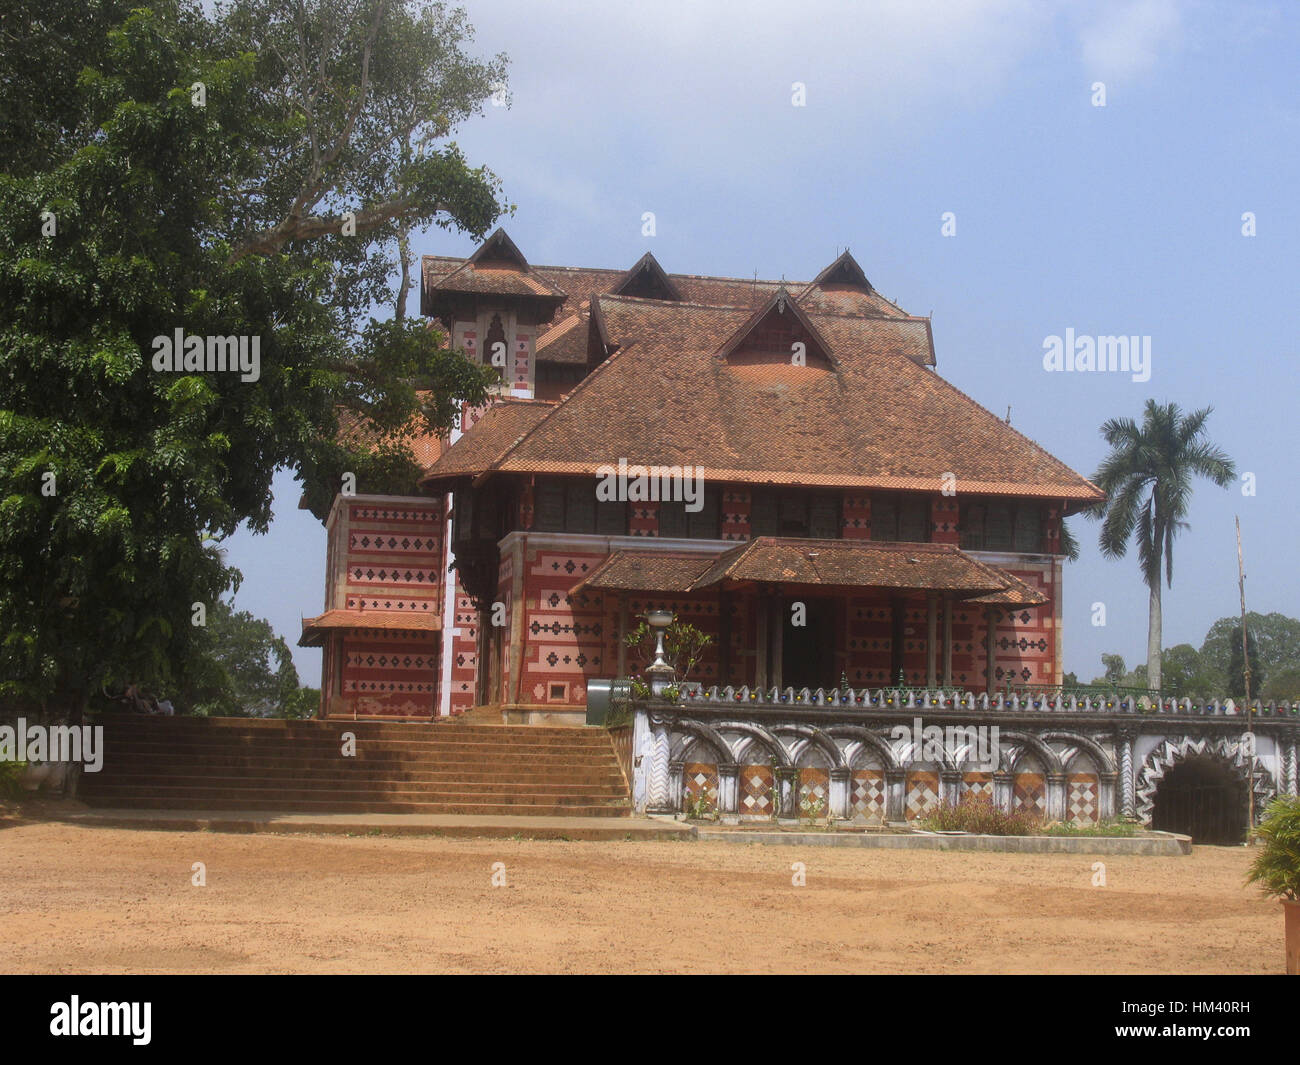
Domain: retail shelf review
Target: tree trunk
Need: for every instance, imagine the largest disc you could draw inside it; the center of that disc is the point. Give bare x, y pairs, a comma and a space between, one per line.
1153, 637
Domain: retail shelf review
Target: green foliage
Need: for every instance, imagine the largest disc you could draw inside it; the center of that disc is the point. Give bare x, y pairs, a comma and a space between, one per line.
1276, 637
10, 773
1114, 668
118, 481
1109, 827
683, 646
1276, 868
241, 668
1237, 669
702, 806
1283, 685
1147, 478
1214, 671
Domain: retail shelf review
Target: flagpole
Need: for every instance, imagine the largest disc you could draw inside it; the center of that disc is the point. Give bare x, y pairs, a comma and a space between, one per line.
1245, 675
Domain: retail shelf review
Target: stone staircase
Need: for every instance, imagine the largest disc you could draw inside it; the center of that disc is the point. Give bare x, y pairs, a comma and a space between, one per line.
232, 764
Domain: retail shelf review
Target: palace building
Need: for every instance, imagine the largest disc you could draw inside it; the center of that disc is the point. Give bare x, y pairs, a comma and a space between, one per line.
843, 515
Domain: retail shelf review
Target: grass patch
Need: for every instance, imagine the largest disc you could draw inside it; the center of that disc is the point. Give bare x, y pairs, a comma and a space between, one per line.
1105, 828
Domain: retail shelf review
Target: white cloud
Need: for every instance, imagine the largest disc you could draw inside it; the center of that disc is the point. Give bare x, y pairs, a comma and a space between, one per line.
1126, 40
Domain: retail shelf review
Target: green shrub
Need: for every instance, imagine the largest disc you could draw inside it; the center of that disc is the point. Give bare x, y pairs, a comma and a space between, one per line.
977, 814
1277, 866
9, 774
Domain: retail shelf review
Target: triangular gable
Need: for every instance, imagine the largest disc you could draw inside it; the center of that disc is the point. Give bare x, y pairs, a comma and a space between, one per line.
648, 281
498, 250
774, 328
844, 271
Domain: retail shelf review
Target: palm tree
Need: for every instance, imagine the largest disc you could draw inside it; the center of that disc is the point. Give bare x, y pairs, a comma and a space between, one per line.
1147, 478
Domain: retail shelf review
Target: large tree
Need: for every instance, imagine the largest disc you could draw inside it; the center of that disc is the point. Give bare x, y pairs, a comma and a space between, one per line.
249, 171
243, 669
1237, 666
1147, 478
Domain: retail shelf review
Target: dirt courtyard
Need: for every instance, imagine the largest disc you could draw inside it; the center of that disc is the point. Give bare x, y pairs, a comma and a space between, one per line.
77, 899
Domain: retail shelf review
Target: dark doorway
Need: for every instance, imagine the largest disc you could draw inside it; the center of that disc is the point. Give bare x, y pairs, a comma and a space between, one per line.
1203, 798
808, 650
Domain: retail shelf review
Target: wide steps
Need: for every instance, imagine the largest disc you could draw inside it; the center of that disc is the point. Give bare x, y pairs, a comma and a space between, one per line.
299, 766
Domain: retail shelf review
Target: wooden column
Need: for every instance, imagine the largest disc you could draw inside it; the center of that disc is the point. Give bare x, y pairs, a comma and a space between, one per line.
947, 641
990, 628
724, 636
761, 608
778, 638
930, 631
622, 633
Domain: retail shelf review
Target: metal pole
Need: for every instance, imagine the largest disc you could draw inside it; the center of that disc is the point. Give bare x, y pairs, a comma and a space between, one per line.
1245, 676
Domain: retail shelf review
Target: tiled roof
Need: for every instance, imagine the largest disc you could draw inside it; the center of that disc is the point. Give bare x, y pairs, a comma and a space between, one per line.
881, 420
566, 340
580, 284
315, 629
854, 563
823, 563
488, 439
646, 571
1017, 593
498, 280
356, 428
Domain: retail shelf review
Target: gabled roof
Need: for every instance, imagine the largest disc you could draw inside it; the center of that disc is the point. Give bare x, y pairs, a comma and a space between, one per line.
821, 563
582, 283
877, 419
853, 563
497, 268
780, 304
844, 271
646, 267
499, 247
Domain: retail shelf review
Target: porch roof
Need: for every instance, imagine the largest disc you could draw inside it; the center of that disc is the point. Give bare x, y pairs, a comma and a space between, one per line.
646, 571
825, 563
315, 629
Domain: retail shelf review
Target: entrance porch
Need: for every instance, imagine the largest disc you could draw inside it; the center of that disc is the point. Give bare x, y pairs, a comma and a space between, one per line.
822, 613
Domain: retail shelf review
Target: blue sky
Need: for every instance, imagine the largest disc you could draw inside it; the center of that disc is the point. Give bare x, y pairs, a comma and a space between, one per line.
1122, 219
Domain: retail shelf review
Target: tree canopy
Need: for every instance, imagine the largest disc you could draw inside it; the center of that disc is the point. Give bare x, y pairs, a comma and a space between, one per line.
1147, 477
251, 173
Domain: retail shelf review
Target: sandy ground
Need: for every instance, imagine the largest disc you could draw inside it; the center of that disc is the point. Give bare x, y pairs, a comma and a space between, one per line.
93, 900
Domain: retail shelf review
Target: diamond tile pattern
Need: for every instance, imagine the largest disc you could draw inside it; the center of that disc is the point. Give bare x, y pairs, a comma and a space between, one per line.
1083, 802
814, 785
699, 778
922, 794
867, 794
1029, 792
757, 796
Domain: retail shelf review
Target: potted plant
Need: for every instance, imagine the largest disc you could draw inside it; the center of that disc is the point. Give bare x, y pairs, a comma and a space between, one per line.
1277, 868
